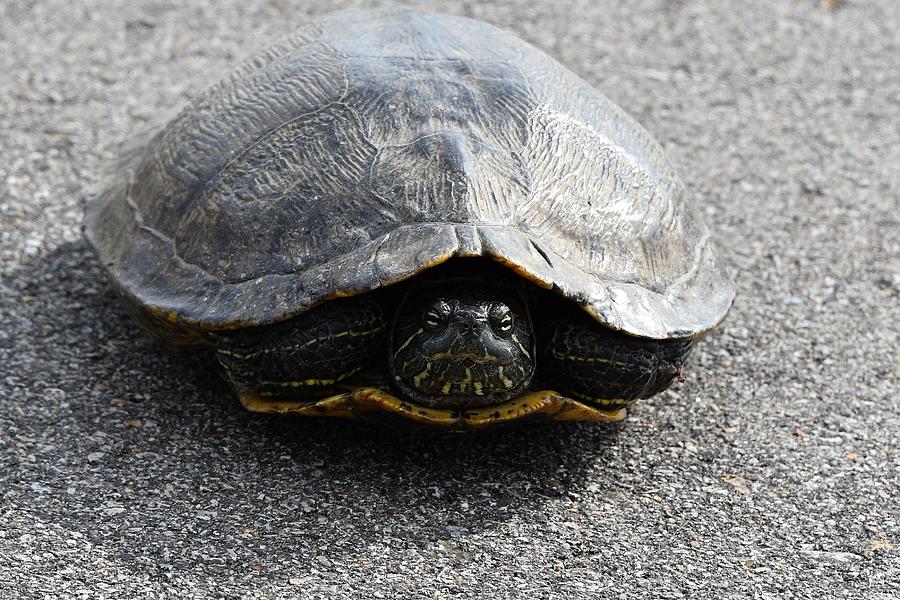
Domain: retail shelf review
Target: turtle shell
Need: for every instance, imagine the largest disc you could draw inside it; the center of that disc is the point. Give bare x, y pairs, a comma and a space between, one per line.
373, 145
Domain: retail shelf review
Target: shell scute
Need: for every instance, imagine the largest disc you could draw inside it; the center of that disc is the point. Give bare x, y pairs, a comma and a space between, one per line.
372, 146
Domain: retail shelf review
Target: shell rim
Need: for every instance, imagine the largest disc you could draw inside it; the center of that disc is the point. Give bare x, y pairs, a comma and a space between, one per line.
176, 313
369, 403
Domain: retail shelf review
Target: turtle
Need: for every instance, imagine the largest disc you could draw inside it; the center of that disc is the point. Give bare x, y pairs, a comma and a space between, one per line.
413, 217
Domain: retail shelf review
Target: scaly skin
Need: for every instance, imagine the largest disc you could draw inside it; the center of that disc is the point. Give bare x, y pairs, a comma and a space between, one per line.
448, 344
605, 367
462, 343
319, 353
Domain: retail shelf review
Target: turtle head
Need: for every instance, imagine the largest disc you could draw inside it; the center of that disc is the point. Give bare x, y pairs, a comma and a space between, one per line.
461, 344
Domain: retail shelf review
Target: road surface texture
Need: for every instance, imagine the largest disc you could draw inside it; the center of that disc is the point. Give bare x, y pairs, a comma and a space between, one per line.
772, 471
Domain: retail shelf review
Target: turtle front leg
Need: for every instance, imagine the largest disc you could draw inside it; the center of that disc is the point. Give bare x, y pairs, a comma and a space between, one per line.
587, 361
325, 351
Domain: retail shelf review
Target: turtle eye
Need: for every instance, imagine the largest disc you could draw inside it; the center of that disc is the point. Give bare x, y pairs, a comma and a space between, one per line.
502, 320
436, 316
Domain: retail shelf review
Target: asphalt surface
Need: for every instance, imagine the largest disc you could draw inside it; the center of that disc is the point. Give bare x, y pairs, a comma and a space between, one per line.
772, 471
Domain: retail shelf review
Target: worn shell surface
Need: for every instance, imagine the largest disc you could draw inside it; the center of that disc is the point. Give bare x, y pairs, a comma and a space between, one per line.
375, 144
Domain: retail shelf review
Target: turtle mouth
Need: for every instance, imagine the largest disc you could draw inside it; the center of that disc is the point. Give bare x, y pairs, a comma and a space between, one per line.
373, 404
467, 359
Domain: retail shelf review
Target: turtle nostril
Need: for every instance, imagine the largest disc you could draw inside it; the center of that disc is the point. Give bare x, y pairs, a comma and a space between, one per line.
467, 327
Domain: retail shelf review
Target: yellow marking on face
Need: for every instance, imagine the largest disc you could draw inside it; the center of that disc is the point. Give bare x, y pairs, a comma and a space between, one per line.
305, 344
417, 380
479, 389
507, 382
464, 384
408, 341
405, 367
521, 347
561, 356
451, 356
306, 382
446, 389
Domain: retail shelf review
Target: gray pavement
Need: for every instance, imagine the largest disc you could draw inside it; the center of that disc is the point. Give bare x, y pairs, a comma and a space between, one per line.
770, 472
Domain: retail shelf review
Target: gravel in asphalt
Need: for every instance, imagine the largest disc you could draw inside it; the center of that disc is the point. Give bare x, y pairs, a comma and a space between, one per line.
127, 471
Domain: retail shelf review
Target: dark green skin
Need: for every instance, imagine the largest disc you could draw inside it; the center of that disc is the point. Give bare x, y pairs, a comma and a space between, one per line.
450, 341
462, 343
